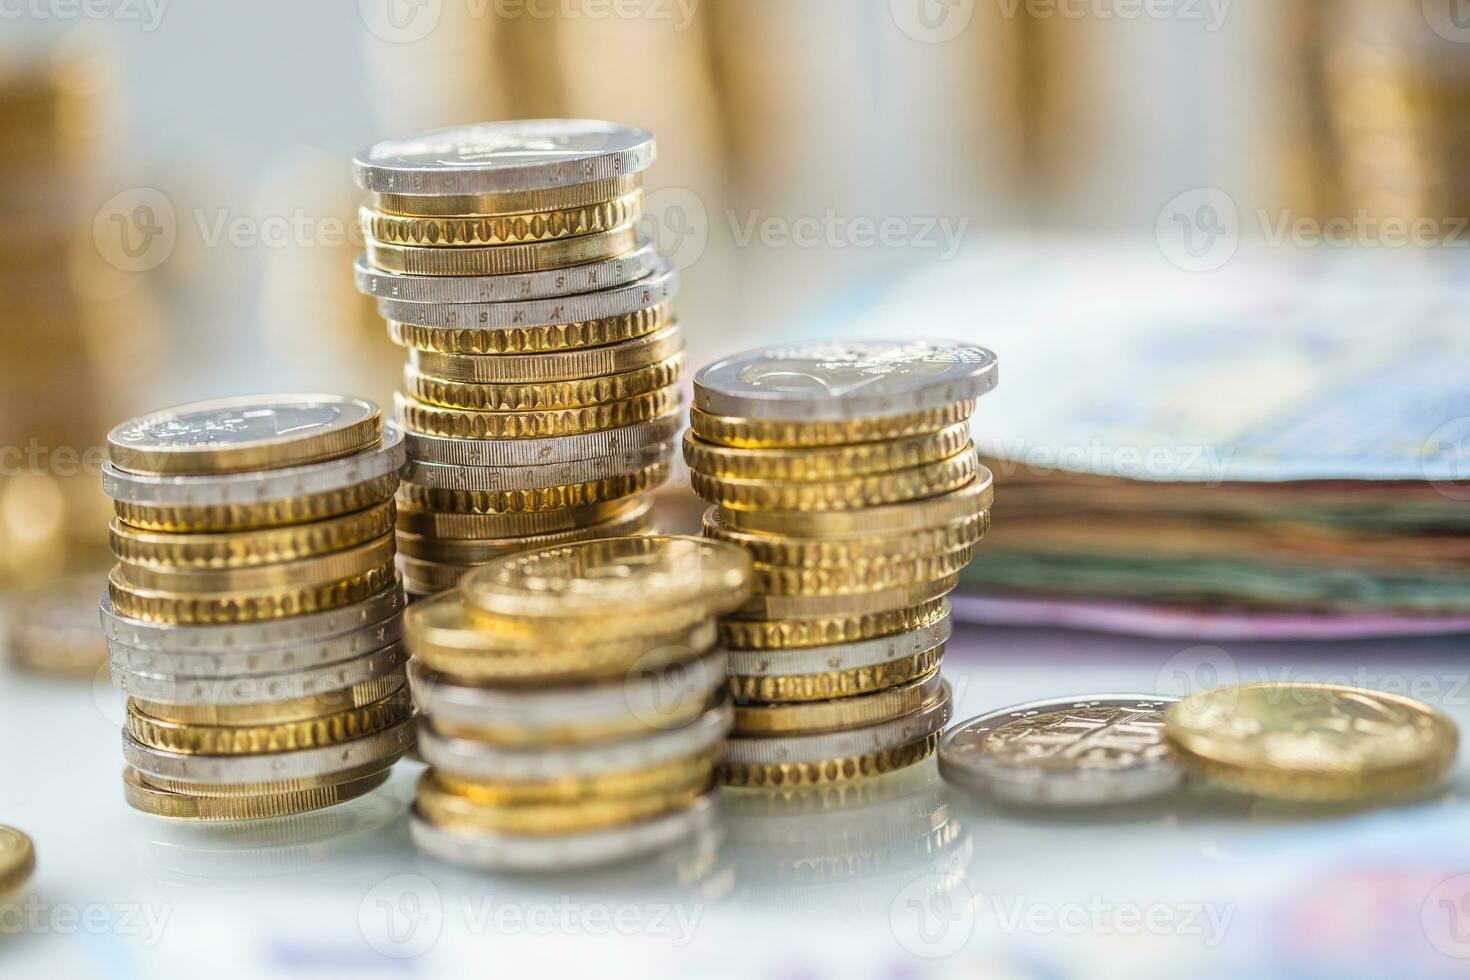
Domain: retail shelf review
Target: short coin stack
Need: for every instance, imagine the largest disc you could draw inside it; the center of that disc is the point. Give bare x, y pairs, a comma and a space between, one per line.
253, 618
846, 470
573, 702
540, 398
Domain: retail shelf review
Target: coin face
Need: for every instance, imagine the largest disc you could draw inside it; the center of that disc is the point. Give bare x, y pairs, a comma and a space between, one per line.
1312, 741
17, 859
1067, 752
844, 379
614, 576
234, 434
503, 157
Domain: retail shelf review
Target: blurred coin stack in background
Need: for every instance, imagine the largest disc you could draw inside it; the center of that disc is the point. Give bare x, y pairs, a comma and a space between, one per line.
573, 702
540, 398
253, 618
846, 470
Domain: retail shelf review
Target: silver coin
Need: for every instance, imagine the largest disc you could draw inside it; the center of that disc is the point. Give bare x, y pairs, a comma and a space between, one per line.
838, 380
1083, 751
570, 281
660, 287
502, 157
442, 476
249, 488
380, 746
543, 452
285, 658
242, 422
508, 852
260, 688
230, 639
885, 737
477, 760
841, 656
653, 696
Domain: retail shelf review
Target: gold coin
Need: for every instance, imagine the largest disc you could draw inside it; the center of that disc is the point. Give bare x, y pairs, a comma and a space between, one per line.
803, 607
426, 578
780, 580
617, 487
692, 770
499, 260
798, 774
853, 493
243, 549
452, 811
609, 588
511, 202
831, 463
471, 230
456, 423
163, 803
265, 514
813, 717
544, 396
452, 551
343, 726
234, 435
842, 551
1312, 742
777, 687
444, 639
302, 573
508, 527
304, 708
545, 367
779, 634
915, 515
776, 434
273, 788
243, 607
533, 338
17, 860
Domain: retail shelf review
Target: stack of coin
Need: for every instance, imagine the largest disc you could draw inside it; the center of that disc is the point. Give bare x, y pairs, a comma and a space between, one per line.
573, 701
846, 470
540, 397
253, 618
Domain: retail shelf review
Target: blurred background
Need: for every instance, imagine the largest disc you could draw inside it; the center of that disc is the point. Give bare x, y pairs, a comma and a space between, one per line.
176, 178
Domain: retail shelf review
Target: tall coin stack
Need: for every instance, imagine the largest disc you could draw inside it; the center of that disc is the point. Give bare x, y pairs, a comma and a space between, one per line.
846, 469
540, 397
573, 702
253, 618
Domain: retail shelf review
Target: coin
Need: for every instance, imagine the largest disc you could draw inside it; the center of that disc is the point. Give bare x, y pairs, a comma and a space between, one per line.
468, 527
499, 260
841, 551
533, 338
844, 656
782, 580
618, 486
544, 395
1312, 742
507, 202
478, 551
656, 431
519, 155
919, 515
767, 606
781, 634
613, 785
285, 736
458, 423
212, 608
551, 477
741, 433
1081, 751
166, 803
454, 812
628, 267
231, 435
813, 717
333, 566
830, 463
825, 685
856, 493
261, 698
17, 860
495, 229
839, 380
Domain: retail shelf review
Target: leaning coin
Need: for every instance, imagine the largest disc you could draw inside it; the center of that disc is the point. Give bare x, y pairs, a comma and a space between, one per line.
231, 435
845, 379
386, 744
499, 260
510, 852
499, 157
17, 860
1083, 751
185, 806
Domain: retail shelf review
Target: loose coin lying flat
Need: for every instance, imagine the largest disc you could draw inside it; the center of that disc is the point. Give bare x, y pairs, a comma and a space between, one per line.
844, 379
1312, 742
1083, 751
230, 435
